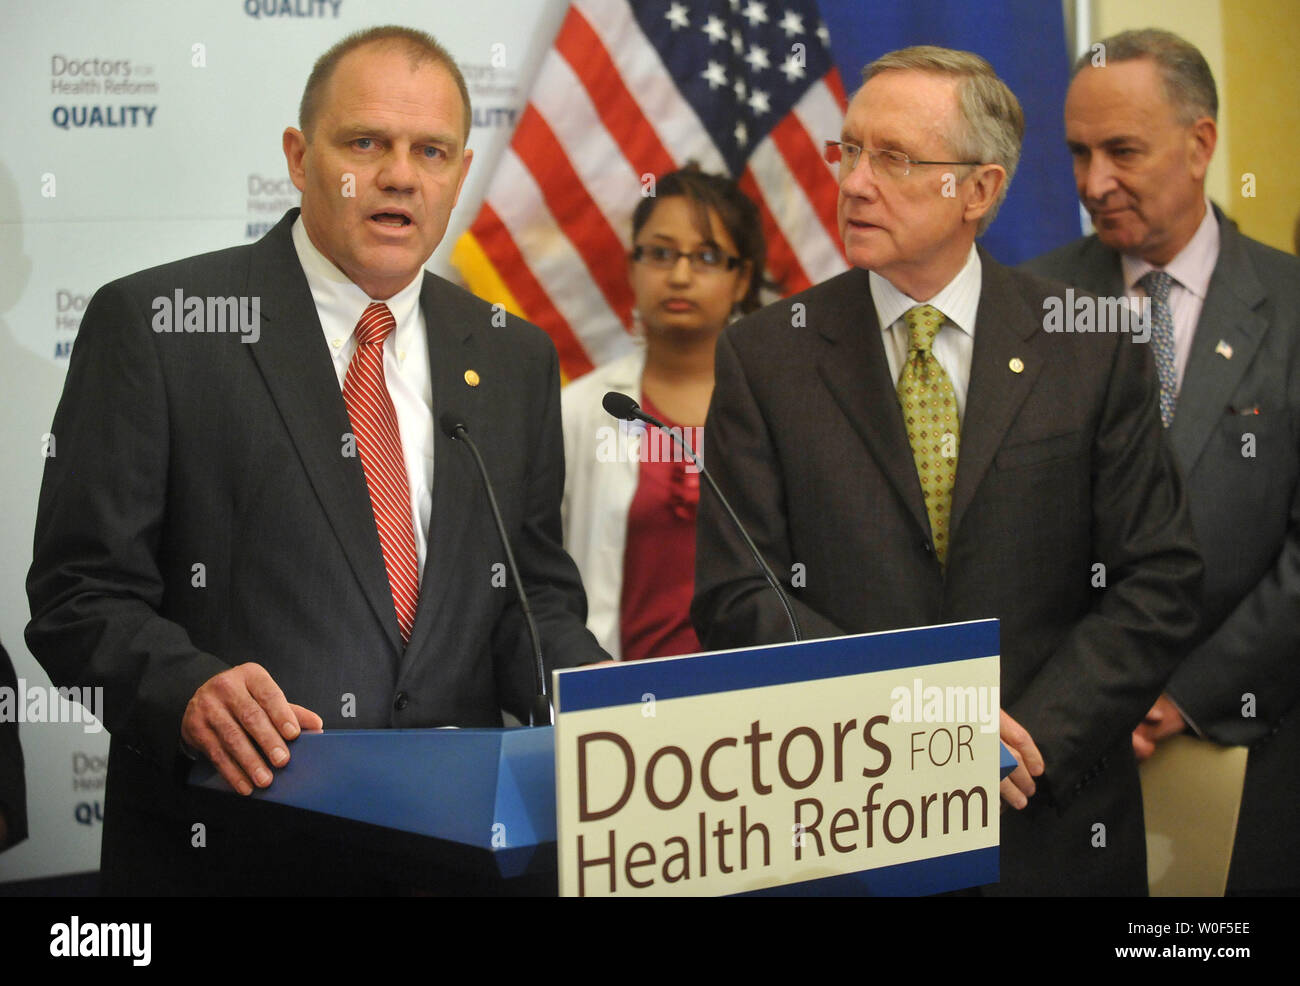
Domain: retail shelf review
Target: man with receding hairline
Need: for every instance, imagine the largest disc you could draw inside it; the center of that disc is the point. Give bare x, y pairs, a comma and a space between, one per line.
240, 542
923, 452
1141, 129
418, 47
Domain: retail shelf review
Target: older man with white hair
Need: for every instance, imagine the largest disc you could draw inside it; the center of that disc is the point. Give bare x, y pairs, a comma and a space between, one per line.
910, 438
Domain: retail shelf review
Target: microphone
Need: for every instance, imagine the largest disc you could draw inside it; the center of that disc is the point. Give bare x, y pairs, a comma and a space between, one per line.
625, 409
540, 713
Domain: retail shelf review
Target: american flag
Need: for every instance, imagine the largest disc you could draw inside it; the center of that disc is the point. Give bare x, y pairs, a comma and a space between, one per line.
636, 89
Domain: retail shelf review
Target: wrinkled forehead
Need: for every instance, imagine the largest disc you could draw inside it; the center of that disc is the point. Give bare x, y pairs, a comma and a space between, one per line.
1120, 98
376, 80
903, 108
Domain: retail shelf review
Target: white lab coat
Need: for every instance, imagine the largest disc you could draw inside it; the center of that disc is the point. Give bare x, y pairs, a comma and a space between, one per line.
598, 494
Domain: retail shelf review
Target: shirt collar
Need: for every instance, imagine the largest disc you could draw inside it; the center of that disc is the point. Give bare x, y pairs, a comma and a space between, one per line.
338, 300
1192, 267
959, 300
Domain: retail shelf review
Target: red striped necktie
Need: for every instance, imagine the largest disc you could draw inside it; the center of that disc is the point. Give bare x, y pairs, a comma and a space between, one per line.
374, 422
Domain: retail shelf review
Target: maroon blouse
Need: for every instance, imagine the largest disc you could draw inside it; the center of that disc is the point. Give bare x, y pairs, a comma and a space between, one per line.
659, 558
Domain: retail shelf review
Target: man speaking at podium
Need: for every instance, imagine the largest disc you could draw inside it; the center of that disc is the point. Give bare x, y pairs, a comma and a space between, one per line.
252, 532
910, 441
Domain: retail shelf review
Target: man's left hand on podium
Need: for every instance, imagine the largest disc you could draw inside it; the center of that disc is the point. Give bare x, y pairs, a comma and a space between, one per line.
1018, 786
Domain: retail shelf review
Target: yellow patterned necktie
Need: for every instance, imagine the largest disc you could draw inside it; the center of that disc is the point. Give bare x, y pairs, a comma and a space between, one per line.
930, 413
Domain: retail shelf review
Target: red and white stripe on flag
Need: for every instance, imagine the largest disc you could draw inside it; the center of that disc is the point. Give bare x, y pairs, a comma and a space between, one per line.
622, 97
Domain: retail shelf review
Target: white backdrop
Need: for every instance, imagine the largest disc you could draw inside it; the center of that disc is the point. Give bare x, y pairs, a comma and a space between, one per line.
141, 131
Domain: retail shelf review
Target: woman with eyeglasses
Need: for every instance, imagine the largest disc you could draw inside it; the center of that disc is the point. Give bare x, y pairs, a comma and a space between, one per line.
630, 494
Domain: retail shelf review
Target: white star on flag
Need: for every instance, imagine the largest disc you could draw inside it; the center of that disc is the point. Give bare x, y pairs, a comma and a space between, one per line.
639, 87
793, 68
755, 13
791, 23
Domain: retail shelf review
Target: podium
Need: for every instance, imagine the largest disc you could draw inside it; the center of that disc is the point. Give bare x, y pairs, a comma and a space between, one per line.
474, 810
432, 810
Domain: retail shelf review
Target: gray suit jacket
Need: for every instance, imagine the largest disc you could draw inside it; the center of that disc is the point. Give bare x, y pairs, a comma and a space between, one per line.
1060, 466
1246, 511
13, 782
177, 450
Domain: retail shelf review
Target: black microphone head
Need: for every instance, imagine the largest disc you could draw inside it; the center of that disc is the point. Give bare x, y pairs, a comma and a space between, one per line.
620, 406
451, 423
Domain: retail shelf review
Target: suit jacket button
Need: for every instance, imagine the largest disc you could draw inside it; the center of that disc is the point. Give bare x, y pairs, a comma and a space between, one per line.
401, 702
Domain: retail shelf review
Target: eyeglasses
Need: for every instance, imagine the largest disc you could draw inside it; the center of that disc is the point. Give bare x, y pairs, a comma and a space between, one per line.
894, 164
705, 260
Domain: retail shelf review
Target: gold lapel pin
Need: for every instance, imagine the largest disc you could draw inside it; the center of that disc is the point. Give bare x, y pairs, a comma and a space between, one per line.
1017, 365
1223, 349
471, 378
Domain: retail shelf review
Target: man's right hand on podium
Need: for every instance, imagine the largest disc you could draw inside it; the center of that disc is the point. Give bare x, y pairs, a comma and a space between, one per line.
234, 707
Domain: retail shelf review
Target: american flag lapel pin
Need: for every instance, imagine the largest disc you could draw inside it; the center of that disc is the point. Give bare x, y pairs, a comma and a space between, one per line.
1223, 349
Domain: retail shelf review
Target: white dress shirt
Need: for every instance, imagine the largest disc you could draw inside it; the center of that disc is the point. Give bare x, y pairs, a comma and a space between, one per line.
954, 345
1191, 271
339, 304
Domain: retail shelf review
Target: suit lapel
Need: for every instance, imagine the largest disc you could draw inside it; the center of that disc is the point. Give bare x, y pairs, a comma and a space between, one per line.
1005, 329
293, 360
856, 371
452, 350
1228, 316
1099, 270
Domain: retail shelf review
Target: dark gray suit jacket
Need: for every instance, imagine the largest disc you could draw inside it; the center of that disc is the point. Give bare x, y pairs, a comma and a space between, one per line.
1060, 466
1246, 511
13, 782
177, 450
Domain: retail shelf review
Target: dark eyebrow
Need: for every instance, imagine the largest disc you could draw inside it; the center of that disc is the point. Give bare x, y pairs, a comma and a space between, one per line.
673, 240
1121, 139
